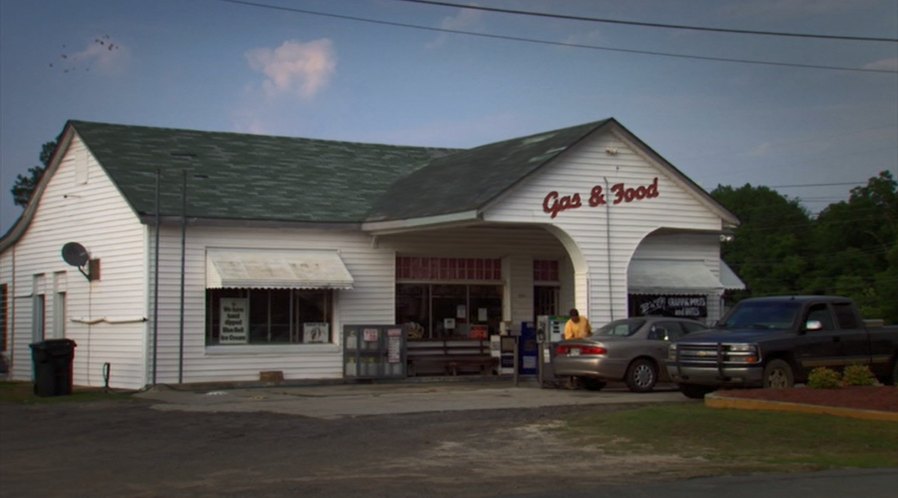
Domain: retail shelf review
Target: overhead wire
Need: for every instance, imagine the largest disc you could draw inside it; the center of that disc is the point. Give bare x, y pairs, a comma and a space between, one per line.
654, 24
557, 43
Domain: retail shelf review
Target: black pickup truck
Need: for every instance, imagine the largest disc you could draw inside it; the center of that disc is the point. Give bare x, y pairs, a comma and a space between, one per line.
777, 341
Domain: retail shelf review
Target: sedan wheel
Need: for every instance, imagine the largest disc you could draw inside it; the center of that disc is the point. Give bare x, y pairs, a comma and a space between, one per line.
642, 375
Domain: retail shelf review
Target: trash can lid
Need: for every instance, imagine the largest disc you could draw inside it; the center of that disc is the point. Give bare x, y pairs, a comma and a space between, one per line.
53, 344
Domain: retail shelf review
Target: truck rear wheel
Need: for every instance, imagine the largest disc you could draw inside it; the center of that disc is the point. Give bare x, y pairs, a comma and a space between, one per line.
778, 375
695, 391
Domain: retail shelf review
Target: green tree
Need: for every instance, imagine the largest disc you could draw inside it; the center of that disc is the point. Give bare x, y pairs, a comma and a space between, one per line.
24, 186
768, 250
855, 244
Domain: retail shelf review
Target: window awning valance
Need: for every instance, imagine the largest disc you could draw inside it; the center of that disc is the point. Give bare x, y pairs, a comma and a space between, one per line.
268, 269
729, 279
665, 276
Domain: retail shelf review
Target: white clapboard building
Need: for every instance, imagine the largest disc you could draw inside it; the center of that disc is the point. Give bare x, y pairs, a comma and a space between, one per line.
285, 241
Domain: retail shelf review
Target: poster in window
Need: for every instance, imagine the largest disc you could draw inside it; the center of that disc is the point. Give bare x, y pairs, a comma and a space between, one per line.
394, 345
234, 320
461, 311
479, 331
315, 332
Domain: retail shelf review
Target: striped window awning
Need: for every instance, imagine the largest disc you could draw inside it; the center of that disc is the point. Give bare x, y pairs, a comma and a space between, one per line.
272, 269
667, 276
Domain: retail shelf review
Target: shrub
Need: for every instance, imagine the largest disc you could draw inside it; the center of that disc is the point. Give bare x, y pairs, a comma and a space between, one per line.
824, 378
858, 375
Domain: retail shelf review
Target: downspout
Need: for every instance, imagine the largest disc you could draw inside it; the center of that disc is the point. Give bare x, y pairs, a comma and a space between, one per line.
156, 280
608, 249
11, 297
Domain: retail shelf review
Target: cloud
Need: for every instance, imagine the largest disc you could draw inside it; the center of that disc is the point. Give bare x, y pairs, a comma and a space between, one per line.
297, 68
591, 37
463, 21
884, 64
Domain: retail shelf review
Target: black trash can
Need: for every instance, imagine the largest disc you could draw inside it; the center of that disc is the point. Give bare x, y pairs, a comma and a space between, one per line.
52, 363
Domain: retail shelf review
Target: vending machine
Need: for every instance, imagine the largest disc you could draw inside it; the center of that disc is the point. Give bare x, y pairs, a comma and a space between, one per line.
549, 332
528, 350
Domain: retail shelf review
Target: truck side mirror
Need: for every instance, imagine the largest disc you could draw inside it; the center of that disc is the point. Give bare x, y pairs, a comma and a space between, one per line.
813, 325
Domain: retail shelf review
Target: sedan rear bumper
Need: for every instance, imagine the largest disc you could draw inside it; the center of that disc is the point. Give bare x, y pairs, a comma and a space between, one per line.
586, 366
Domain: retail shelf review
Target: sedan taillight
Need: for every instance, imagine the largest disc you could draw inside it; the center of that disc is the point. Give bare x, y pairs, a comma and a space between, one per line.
565, 349
593, 350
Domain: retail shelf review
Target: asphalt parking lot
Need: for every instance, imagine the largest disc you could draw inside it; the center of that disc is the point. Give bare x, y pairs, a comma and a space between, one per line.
473, 439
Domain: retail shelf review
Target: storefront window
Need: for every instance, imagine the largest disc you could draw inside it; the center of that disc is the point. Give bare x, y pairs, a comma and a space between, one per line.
268, 316
449, 311
413, 309
449, 315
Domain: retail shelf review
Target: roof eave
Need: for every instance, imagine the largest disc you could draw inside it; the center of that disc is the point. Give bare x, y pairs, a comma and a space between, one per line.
461, 218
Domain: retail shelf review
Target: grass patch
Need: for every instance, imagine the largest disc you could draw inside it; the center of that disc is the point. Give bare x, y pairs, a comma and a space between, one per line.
744, 439
23, 392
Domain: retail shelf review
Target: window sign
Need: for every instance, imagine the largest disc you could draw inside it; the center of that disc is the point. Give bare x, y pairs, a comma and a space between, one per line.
369, 335
315, 332
234, 321
461, 311
694, 306
482, 314
394, 345
449, 323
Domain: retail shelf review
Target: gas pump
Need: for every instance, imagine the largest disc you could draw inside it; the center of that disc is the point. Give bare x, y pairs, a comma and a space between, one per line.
549, 332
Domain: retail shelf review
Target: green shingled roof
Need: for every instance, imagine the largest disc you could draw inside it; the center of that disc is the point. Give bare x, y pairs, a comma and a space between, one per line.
253, 177
249, 177
469, 179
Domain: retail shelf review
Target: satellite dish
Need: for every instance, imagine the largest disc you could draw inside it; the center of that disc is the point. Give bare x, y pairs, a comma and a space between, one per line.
75, 254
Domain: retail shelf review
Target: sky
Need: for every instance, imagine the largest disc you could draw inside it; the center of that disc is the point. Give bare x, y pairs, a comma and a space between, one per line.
220, 65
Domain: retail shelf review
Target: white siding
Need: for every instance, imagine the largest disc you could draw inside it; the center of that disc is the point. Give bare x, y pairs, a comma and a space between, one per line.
593, 253
95, 215
371, 300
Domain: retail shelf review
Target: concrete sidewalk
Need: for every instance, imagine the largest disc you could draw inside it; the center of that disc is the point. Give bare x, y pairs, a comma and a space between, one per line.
352, 400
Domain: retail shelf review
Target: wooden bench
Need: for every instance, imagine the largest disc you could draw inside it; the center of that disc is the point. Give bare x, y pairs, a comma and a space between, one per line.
449, 357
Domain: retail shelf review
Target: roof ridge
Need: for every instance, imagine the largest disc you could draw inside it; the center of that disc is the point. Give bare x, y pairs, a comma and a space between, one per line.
76, 123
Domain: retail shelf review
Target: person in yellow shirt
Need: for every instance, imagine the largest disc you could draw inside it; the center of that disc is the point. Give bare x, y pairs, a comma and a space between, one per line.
577, 327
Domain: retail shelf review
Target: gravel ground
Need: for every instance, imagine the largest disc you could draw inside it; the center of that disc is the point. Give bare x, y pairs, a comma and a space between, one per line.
105, 449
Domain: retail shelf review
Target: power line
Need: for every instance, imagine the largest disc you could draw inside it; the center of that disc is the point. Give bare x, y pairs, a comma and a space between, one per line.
801, 185
555, 43
653, 24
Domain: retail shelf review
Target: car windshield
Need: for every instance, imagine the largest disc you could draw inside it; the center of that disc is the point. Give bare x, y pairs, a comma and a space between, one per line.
762, 315
620, 328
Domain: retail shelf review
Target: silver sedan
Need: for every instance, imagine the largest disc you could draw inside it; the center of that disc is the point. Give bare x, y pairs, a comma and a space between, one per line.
631, 350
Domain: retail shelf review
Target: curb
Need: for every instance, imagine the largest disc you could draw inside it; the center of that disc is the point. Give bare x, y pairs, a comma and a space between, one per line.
714, 400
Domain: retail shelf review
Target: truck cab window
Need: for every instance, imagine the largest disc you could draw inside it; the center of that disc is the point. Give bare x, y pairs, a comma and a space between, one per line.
846, 316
